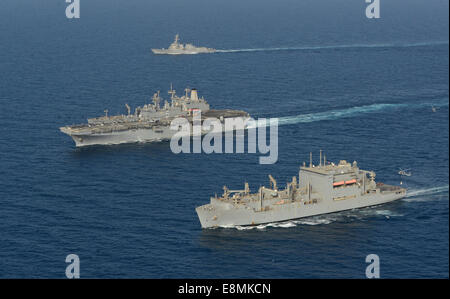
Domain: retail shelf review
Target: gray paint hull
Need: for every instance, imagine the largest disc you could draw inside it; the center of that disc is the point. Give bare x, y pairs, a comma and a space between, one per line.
219, 214
131, 136
128, 136
181, 52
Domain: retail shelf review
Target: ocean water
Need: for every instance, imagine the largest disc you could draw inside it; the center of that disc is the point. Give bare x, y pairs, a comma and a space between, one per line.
359, 89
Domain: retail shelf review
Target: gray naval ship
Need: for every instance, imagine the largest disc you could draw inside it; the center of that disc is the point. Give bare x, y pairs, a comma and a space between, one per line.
148, 123
322, 189
176, 48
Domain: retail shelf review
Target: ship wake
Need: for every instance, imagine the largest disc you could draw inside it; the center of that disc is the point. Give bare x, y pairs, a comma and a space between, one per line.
347, 113
335, 47
424, 194
344, 216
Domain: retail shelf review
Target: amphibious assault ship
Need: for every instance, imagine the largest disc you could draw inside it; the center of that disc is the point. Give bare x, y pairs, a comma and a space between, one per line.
322, 189
148, 123
176, 48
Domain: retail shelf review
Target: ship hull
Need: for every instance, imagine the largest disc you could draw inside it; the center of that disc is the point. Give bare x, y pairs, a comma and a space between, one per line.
130, 136
142, 135
219, 214
181, 52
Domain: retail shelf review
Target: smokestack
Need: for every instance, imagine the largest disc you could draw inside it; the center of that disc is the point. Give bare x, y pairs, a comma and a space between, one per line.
310, 159
194, 96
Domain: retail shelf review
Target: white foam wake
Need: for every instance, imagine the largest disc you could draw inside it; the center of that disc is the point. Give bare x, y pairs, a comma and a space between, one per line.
422, 194
335, 114
344, 216
386, 45
344, 113
285, 224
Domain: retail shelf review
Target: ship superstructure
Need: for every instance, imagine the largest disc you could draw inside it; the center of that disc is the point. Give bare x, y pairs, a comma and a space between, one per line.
148, 123
321, 189
176, 48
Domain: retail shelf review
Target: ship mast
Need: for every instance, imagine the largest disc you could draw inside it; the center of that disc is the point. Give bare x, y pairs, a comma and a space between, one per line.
187, 90
171, 92
320, 163
156, 100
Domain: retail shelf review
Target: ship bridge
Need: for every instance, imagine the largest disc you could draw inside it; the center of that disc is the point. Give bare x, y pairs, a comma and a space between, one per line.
337, 181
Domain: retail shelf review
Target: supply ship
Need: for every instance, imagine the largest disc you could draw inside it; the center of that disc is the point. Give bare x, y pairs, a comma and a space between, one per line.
321, 189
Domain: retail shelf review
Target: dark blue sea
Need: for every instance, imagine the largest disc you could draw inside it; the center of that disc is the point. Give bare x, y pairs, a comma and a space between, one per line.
360, 89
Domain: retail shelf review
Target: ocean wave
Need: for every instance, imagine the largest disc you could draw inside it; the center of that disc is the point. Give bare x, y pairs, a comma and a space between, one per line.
388, 213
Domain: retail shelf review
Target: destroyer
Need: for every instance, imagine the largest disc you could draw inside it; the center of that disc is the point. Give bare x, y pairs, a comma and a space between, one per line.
148, 123
323, 188
176, 48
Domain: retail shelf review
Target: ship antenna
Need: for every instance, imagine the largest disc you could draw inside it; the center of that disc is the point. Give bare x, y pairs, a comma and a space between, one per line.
320, 161
171, 92
187, 90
